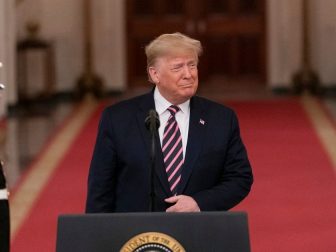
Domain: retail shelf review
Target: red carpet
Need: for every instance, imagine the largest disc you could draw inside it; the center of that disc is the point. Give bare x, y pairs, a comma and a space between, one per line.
292, 206
65, 193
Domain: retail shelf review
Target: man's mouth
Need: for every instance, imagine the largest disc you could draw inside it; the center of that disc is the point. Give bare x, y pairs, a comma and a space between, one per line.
186, 85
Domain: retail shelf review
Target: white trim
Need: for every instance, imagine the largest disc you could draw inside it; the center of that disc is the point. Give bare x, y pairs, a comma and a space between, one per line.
3, 194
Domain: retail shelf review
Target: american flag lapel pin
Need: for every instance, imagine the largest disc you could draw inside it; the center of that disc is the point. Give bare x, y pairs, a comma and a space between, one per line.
201, 121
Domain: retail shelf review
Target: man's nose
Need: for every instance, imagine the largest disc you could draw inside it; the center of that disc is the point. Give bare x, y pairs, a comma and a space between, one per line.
187, 72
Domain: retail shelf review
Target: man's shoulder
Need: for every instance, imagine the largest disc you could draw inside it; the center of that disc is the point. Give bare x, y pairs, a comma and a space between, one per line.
215, 111
206, 103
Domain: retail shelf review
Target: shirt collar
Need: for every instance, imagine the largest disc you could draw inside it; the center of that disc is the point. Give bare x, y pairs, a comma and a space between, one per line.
161, 104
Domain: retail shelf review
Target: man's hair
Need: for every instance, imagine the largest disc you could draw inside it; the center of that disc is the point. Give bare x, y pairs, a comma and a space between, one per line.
170, 44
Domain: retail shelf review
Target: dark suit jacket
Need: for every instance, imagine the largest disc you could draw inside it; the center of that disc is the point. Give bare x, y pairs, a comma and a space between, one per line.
216, 171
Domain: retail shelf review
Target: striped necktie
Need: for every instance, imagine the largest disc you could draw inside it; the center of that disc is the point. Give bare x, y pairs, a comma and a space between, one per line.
172, 150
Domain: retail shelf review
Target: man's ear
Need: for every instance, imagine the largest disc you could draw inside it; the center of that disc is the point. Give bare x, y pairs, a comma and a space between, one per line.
153, 73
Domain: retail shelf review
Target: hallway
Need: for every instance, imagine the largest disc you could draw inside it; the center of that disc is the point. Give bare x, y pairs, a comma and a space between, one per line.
56, 136
27, 130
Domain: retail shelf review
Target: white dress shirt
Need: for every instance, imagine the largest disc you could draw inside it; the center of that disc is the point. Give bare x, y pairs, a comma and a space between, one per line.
182, 117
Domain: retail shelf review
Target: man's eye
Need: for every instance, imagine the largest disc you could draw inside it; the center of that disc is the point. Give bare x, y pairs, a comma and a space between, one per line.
177, 68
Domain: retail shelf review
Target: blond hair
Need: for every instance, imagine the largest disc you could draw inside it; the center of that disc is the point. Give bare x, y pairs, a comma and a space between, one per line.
170, 44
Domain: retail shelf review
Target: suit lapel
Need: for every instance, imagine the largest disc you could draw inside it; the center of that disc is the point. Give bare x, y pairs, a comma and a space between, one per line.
197, 126
145, 105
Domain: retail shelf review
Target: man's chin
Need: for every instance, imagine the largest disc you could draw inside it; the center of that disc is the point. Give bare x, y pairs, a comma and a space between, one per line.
189, 93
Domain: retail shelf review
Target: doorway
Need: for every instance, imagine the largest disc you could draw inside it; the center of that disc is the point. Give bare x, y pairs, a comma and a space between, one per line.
232, 32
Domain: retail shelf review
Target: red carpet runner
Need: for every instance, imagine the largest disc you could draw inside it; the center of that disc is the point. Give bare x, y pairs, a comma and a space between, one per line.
292, 206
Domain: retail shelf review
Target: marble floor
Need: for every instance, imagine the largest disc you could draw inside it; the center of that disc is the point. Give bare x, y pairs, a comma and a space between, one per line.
27, 130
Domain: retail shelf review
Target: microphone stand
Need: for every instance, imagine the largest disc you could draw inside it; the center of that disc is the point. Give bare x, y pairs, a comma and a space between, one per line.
152, 123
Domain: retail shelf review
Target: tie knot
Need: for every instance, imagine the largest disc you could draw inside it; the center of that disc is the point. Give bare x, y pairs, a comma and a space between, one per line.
173, 109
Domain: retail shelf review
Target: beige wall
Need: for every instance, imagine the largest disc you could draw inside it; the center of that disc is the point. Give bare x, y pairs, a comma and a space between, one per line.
284, 36
62, 24
109, 29
7, 54
324, 39
2, 58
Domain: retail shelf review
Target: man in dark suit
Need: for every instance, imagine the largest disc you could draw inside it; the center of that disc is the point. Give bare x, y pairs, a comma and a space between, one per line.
201, 162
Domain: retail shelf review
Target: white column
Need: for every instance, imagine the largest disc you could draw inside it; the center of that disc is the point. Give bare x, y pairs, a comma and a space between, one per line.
62, 23
7, 54
109, 42
3, 67
323, 40
284, 40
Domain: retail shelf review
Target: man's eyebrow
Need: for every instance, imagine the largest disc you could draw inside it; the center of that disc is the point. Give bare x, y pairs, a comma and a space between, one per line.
177, 64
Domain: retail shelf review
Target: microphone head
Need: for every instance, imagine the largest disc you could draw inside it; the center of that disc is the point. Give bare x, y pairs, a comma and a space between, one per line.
152, 121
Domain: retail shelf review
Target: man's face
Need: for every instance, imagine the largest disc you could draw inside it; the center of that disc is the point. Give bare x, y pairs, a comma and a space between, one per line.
176, 77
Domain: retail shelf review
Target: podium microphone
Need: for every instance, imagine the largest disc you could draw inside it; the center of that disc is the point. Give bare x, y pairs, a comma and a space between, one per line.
4, 214
152, 123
